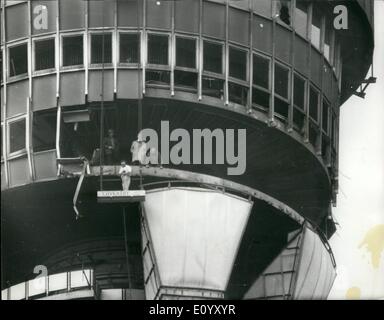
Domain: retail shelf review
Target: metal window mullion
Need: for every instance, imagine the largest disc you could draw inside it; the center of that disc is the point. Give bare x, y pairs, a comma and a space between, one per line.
86, 50
144, 47
292, 69
250, 55
226, 54
115, 48
58, 44
319, 141
28, 136
58, 130
4, 100
309, 74
172, 52
200, 53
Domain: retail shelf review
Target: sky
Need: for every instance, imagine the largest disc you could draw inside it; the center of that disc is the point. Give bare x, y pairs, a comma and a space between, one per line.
358, 244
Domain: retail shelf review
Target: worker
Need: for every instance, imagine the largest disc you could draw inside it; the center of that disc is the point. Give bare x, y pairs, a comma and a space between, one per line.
139, 150
125, 174
111, 148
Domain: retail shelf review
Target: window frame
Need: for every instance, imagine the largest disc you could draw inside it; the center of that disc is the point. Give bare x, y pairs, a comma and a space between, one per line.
312, 86
17, 76
327, 131
128, 65
107, 65
19, 152
243, 82
257, 87
152, 66
189, 37
38, 39
52, 112
69, 35
212, 74
284, 66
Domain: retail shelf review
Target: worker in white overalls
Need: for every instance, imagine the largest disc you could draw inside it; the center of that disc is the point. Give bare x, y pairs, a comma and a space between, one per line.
139, 150
125, 174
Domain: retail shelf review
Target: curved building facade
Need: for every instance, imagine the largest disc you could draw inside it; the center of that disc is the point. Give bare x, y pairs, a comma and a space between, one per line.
252, 225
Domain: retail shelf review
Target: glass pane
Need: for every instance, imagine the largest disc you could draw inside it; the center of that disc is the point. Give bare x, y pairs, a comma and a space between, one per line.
301, 17
281, 81
299, 92
281, 107
316, 29
261, 71
325, 116
17, 136
44, 131
129, 48
213, 87
238, 63
18, 60
313, 104
186, 52
72, 51
260, 98
57, 282
97, 48
158, 49
157, 77
298, 119
44, 54
213, 57
183, 78
237, 94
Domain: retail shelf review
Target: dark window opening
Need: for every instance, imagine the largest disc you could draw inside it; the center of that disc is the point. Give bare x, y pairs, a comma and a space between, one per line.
18, 60
281, 81
186, 53
298, 120
325, 151
44, 131
213, 57
158, 77
325, 116
237, 93
186, 79
237, 63
17, 133
97, 51
213, 87
281, 108
158, 49
129, 48
45, 54
313, 134
284, 11
299, 92
260, 98
261, 71
313, 104
73, 51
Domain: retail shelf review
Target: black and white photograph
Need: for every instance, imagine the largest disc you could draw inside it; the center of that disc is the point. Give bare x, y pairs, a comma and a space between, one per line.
212, 150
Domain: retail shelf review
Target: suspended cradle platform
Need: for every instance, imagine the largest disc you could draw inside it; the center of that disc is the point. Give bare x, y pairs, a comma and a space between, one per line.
120, 196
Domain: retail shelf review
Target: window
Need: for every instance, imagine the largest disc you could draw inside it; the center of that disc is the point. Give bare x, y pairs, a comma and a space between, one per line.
97, 51
299, 92
237, 63
161, 77
327, 41
18, 60
213, 57
186, 53
213, 87
44, 54
237, 93
129, 48
158, 49
281, 90
44, 131
17, 133
301, 17
316, 29
72, 51
260, 71
313, 104
325, 116
185, 79
283, 10
281, 80
260, 98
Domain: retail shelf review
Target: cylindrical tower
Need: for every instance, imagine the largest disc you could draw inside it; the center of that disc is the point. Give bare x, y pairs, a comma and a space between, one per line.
240, 102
